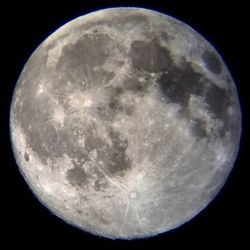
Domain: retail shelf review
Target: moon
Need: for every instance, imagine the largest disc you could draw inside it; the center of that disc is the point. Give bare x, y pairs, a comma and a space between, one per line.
125, 123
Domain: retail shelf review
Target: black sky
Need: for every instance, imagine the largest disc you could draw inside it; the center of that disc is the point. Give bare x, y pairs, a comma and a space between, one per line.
25, 222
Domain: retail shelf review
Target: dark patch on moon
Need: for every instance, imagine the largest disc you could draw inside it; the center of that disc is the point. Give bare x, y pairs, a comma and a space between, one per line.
114, 105
114, 157
118, 108
35, 115
165, 36
100, 185
117, 91
77, 176
199, 128
150, 56
212, 62
93, 141
81, 62
44, 143
117, 155
218, 100
177, 84
132, 84
79, 211
89, 50
32, 110
103, 112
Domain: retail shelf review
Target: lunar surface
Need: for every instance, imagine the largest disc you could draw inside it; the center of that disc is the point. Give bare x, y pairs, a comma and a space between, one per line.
125, 123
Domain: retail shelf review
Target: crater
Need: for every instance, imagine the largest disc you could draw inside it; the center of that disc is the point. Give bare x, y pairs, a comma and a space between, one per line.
26, 156
133, 195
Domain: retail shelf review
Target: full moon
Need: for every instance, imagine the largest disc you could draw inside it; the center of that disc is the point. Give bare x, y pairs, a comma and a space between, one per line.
125, 123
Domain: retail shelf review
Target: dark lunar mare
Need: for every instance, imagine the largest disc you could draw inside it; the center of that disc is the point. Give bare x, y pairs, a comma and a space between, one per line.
212, 62
178, 83
114, 158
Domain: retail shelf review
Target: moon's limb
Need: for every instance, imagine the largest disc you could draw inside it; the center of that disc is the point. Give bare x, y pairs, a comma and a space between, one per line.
125, 123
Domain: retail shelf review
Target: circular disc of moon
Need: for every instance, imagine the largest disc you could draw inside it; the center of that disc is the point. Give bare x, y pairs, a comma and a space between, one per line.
125, 123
